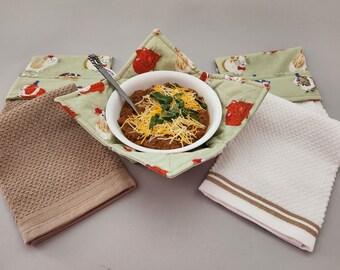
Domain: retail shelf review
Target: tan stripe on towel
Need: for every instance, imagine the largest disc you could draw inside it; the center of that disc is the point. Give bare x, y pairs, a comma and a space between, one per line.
54, 218
264, 200
264, 208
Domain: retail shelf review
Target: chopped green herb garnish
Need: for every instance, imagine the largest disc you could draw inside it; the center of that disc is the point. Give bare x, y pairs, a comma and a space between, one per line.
180, 103
165, 107
163, 99
178, 109
170, 115
175, 107
155, 120
171, 85
194, 115
201, 103
184, 112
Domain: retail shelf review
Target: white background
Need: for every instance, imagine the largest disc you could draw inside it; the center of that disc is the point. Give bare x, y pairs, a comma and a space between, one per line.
169, 224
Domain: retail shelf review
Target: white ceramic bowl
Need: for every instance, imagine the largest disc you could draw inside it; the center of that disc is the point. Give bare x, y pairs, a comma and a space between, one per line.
145, 81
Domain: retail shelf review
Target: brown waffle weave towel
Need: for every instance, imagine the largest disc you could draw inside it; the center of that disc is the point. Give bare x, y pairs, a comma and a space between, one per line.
52, 172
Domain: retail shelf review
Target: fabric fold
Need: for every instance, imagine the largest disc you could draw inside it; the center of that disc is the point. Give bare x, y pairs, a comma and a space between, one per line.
52, 173
157, 52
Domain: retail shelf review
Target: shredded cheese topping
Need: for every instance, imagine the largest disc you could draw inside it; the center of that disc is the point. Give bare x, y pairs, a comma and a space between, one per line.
182, 129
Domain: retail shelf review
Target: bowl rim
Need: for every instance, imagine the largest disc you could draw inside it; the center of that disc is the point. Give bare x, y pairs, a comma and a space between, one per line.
212, 128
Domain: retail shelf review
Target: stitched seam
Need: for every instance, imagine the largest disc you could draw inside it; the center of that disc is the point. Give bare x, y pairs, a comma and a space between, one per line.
263, 200
80, 205
80, 193
262, 207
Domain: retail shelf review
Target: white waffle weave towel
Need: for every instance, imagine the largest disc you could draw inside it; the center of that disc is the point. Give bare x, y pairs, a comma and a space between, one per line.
280, 170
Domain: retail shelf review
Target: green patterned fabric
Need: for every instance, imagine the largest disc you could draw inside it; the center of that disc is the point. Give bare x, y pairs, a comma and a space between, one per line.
284, 71
50, 72
158, 53
239, 100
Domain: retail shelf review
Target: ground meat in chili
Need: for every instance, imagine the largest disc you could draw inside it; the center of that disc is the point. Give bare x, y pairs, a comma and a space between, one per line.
155, 143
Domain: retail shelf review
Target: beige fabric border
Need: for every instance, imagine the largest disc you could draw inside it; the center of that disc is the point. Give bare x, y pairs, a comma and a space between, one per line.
265, 200
263, 207
76, 207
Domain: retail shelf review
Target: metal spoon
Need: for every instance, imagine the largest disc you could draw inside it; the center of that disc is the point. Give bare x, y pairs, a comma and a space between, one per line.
98, 65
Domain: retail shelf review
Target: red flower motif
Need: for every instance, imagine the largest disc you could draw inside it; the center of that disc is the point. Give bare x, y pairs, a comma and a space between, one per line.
68, 110
197, 160
157, 169
127, 149
271, 52
237, 111
205, 76
98, 110
145, 60
96, 87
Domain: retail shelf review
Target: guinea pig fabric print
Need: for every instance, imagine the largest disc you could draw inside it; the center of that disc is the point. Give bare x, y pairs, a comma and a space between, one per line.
96, 87
235, 64
234, 78
69, 76
183, 63
41, 63
306, 83
298, 63
101, 126
104, 59
31, 90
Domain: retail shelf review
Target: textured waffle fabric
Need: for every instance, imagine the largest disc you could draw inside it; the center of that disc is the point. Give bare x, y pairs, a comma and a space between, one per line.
52, 172
280, 170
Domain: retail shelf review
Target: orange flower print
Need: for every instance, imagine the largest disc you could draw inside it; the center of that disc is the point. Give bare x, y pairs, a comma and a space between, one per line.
68, 110
157, 169
198, 160
128, 149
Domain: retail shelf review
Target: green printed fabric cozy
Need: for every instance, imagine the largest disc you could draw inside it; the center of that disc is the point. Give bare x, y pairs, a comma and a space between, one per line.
283, 71
239, 100
48, 72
